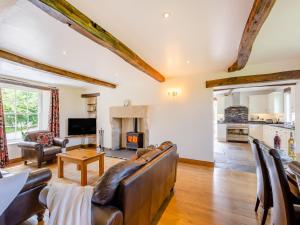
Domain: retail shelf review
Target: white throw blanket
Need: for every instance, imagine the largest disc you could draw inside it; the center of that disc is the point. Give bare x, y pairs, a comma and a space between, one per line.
11, 185
69, 204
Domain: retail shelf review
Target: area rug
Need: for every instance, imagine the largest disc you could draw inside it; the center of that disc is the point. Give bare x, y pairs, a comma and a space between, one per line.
71, 174
124, 154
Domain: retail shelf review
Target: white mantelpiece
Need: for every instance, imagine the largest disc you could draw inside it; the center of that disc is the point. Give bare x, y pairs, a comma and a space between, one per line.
121, 120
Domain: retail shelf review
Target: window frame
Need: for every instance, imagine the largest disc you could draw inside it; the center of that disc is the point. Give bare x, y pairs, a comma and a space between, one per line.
39, 112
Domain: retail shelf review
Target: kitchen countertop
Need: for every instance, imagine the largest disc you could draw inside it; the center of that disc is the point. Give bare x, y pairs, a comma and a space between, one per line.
249, 122
280, 125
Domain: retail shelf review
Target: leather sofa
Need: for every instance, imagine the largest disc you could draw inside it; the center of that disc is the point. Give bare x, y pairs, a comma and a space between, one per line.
27, 204
31, 150
139, 196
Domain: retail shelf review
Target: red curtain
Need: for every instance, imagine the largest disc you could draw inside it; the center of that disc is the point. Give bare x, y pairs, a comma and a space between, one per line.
54, 113
3, 141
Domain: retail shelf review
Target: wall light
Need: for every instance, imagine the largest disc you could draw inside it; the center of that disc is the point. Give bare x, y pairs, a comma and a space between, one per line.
166, 15
174, 92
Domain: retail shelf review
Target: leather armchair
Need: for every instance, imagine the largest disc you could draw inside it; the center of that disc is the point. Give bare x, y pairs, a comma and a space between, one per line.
31, 150
26, 204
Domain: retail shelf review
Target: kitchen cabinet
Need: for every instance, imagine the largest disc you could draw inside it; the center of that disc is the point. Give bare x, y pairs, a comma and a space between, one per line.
269, 133
275, 102
256, 131
292, 100
258, 104
221, 132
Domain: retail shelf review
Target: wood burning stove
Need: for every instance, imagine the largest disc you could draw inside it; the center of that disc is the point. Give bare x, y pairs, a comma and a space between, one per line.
135, 139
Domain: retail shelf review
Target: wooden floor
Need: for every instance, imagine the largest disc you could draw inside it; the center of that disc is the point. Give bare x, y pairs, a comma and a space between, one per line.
202, 195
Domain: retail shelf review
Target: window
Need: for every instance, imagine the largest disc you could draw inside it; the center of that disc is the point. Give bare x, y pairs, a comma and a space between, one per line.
21, 112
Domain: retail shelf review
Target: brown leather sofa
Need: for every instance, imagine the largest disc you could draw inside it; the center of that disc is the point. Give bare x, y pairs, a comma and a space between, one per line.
31, 150
27, 204
140, 196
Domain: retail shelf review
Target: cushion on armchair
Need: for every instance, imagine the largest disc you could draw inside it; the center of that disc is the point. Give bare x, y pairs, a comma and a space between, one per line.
45, 139
149, 156
165, 145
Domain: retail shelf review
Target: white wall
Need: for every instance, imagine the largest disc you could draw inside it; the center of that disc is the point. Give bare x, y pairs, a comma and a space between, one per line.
187, 120
71, 106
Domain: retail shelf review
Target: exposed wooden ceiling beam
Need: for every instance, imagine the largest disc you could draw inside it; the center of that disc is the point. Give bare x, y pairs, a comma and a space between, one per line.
68, 14
61, 72
271, 77
256, 86
258, 15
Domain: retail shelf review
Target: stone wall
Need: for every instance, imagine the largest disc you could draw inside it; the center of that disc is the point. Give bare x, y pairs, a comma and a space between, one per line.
236, 114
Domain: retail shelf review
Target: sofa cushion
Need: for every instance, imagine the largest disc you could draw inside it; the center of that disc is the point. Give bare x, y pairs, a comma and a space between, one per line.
107, 185
165, 145
52, 150
45, 139
142, 151
151, 155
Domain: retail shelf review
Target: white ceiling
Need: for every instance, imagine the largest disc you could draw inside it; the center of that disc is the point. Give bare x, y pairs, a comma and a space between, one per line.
279, 38
207, 33
12, 70
204, 32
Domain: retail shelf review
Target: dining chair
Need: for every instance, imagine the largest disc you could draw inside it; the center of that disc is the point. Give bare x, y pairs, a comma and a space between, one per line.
284, 212
264, 191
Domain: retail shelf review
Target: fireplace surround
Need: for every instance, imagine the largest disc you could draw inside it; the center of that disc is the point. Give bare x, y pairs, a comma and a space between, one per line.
122, 120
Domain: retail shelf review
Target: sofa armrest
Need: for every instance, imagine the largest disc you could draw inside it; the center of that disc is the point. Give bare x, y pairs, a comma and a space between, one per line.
62, 142
37, 178
30, 144
43, 196
101, 215
106, 215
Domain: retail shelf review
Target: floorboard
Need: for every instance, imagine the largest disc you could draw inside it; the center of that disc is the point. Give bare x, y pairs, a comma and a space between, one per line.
202, 195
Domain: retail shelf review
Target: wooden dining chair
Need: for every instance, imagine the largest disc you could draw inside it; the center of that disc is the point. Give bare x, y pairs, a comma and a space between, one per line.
284, 212
264, 191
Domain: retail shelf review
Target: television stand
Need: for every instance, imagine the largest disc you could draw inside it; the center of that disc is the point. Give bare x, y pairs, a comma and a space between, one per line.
83, 140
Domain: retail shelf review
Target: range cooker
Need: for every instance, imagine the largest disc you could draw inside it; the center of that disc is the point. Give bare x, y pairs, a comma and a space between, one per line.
237, 132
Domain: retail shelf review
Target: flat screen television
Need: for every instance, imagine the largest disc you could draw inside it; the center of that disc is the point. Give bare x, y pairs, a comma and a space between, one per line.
81, 126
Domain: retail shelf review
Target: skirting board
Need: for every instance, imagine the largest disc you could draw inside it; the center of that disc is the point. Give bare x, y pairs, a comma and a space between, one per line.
197, 162
16, 160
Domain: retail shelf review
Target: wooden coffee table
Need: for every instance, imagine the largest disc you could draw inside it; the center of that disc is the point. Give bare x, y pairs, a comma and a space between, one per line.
81, 157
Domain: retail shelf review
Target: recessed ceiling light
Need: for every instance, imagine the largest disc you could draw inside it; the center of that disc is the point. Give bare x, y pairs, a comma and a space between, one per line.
166, 15
64, 52
188, 61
